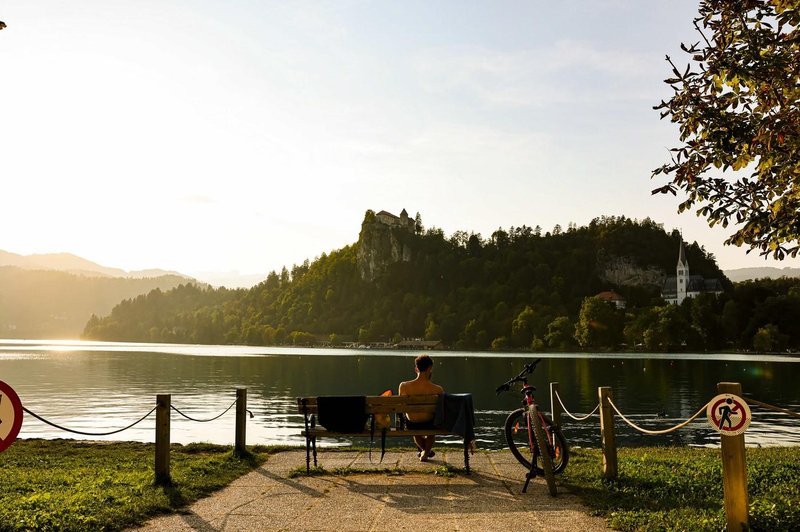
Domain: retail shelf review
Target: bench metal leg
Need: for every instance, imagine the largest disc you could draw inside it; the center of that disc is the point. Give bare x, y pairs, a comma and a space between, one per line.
314, 439
466, 455
308, 455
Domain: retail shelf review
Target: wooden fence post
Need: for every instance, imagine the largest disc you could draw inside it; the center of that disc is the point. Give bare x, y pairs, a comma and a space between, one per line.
555, 406
734, 471
163, 404
607, 439
240, 448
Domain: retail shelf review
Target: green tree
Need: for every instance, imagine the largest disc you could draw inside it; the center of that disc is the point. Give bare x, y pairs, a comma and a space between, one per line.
769, 338
705, 320
668, 329
599, 325
522, 327
499, 343
737, 107
560, 333
431, 329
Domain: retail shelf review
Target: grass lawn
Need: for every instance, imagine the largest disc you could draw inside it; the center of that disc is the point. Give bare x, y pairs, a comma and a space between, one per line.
74, 485
680, 488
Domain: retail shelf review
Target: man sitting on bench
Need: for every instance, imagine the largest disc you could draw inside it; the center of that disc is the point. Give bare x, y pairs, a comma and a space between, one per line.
422, 385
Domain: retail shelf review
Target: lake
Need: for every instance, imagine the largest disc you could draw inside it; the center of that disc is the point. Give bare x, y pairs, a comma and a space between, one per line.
102, 386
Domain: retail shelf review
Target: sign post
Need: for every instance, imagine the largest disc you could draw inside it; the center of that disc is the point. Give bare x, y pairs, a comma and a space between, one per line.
10, 415
729, 414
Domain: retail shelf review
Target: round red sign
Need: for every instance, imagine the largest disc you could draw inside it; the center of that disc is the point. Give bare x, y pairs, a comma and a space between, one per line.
10, 415
729, 414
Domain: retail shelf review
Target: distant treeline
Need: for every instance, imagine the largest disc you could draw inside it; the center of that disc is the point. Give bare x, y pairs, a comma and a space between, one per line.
55, 304
518, 289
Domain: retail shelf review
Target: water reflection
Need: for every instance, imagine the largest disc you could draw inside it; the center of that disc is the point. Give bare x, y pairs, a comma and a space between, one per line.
97, 387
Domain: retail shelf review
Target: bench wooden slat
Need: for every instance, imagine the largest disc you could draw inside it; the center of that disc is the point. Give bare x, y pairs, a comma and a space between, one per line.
418, 409
383, 404
389, 433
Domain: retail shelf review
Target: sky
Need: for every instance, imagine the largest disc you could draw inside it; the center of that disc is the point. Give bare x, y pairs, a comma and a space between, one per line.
244, 135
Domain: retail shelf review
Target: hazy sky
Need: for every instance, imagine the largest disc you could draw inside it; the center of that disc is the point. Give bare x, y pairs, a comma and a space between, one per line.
247, 135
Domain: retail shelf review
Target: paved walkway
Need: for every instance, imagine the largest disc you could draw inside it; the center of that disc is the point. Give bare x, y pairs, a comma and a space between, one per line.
267, 499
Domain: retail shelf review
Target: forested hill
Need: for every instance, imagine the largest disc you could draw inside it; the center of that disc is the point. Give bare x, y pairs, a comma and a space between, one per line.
467, 291
56, 304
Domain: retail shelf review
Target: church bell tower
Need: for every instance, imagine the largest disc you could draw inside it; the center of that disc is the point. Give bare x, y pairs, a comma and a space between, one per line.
682, 274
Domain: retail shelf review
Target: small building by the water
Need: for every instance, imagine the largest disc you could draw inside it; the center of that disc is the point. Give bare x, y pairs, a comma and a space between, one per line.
416, 343
613, 298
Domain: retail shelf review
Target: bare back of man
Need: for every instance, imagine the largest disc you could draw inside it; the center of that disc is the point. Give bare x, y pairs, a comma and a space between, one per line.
422, 385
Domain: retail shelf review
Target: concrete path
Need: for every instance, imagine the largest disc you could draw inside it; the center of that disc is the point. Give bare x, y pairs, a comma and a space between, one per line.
266, 499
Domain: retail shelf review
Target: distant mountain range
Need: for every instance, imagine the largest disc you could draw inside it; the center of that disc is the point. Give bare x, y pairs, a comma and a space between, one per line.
67, 262
743, 274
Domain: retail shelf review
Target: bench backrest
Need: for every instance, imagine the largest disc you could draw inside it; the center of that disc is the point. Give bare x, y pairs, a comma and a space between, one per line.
380, 404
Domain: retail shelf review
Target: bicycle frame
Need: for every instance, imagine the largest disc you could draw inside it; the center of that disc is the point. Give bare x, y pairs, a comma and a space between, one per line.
550, 434
528, 401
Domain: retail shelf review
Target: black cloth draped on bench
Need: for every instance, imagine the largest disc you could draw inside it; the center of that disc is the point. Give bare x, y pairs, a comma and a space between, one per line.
455, 413
344, 413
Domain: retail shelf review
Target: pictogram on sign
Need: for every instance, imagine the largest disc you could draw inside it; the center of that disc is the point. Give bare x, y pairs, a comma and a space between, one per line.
729, 414
10, 415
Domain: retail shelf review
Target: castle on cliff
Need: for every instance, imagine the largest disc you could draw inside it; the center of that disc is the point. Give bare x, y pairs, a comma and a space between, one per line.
391, 220
383, 241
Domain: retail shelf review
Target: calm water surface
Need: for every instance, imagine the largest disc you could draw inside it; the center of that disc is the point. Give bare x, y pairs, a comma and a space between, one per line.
100, 386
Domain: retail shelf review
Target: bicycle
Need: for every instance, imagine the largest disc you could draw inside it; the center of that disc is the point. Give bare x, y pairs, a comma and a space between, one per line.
520, 430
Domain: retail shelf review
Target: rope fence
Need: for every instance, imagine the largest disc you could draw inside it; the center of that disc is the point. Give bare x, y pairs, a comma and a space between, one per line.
65, 429
657, 432
175, 408
772, 407
697, 414
162, 438
734, 470
567, 412
117, 431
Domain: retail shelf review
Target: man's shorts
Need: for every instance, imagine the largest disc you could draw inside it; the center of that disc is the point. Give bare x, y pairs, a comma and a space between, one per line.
419, 425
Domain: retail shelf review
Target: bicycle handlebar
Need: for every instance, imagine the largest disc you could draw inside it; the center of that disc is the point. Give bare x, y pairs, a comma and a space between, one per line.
527, 370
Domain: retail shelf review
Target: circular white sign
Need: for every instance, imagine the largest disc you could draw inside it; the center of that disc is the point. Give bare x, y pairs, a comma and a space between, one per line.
729, 414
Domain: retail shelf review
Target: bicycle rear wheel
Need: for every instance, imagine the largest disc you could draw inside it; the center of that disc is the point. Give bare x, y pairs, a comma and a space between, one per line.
520, 442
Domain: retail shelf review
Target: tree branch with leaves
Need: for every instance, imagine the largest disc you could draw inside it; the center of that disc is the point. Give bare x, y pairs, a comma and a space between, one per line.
737, 104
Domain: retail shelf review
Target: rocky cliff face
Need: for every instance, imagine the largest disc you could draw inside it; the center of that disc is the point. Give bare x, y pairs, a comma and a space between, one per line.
624, 271
380, 245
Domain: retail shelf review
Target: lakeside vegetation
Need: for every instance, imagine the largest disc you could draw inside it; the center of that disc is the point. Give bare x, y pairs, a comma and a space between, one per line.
520, 288
680, 488
73, 485
70, 485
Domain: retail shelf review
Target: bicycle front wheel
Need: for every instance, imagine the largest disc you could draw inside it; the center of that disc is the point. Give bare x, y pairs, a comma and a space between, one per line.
522, 444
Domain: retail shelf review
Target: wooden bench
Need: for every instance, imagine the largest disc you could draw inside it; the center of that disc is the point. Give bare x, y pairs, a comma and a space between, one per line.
394, 405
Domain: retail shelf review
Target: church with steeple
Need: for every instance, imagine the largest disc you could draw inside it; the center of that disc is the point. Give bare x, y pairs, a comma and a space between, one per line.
682, 285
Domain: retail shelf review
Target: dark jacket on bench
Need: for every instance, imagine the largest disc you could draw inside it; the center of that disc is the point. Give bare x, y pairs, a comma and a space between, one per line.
455, 413
345, 414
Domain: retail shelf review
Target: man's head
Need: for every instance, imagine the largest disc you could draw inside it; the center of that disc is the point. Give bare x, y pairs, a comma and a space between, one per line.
423, 363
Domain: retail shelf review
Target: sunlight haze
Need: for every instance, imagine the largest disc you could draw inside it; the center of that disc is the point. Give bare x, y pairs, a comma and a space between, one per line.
210, 136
